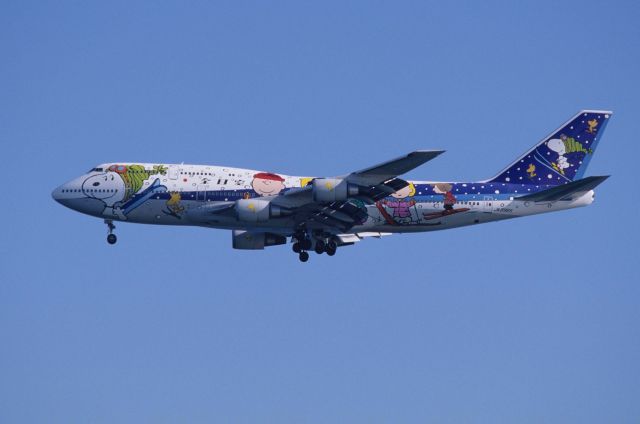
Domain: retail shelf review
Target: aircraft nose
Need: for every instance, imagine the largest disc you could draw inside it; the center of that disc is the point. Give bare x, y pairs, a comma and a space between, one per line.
57, 192
65, 193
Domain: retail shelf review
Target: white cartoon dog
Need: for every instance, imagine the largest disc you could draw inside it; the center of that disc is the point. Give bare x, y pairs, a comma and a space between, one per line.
557, 145
107, 187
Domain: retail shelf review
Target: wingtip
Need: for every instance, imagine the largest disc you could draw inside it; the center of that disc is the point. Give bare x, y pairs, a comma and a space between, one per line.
605, 112
432, 153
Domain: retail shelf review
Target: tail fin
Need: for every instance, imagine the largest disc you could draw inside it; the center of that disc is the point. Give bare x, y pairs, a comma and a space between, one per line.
561, 157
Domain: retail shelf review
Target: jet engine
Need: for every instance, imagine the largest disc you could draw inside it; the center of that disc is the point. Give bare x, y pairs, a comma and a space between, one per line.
327, 190
248, 240
256, 210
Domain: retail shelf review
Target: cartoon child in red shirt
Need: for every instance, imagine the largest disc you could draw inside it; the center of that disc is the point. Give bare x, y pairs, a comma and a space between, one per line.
445, 190
267, 184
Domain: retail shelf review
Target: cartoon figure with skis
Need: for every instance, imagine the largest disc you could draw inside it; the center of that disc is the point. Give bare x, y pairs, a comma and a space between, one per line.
402, 205
563, 146
445, 190
174, 207
449, 200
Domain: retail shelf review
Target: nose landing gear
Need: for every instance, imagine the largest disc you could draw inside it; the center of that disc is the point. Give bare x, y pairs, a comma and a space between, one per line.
111, 238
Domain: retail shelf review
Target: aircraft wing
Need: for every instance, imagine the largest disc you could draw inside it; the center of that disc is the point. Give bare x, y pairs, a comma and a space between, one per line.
380, 173
299, 207
352, 238
374, 183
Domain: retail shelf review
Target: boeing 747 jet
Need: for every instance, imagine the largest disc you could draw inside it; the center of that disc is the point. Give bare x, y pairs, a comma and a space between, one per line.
322, 214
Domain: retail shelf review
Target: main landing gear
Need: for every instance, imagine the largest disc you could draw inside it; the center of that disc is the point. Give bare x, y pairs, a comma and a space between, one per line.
111, 238
319, 243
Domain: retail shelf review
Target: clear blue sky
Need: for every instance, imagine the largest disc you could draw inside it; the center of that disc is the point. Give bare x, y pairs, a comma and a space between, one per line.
532, 320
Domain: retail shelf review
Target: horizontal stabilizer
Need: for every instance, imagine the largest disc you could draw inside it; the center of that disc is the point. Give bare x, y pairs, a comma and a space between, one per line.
565, 191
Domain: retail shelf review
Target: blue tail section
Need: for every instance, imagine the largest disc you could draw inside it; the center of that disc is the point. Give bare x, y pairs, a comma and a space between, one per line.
561, 157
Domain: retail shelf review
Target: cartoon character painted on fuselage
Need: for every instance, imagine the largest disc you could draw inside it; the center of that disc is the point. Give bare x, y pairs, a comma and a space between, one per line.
107, 187
267, 184
117, 185
174, 205
402, 204
445, 189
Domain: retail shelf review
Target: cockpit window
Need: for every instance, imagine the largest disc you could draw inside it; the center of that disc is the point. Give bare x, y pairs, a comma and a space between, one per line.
95, 170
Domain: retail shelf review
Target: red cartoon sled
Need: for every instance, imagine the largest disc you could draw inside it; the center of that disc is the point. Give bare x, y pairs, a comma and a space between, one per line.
447, 212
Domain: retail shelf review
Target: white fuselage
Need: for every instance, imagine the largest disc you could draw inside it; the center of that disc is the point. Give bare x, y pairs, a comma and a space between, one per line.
179, 194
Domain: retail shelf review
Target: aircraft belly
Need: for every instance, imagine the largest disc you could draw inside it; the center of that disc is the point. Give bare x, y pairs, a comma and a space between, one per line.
86, 205
422, 217
155, 211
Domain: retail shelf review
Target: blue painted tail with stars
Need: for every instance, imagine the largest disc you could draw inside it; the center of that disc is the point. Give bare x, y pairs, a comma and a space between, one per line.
561, 157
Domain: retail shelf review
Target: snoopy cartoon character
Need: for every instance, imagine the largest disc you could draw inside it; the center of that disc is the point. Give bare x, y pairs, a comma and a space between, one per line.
107, 187
557, 145
120, 188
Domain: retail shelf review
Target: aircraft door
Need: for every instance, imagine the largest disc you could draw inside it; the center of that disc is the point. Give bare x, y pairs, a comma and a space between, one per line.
173, 172
488, 203
201, 192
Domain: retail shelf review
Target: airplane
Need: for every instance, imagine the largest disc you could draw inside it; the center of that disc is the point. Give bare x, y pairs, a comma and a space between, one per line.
321, 214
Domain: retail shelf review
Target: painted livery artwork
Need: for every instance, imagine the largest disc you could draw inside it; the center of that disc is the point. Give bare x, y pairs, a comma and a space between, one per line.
125, 192
174, 206
322, 213
267, 184
399, 208
560, 157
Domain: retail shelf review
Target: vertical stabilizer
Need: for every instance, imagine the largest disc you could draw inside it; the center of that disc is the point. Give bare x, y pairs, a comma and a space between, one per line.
561, 157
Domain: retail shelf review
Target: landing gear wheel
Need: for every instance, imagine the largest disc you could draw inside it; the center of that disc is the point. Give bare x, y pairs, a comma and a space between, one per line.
304, 256
296, 247
111, 238
305, 244
320, 247
331, 248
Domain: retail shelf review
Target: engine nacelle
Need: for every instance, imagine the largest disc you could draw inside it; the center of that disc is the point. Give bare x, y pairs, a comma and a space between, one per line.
248, 240
327, 190
256, 210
